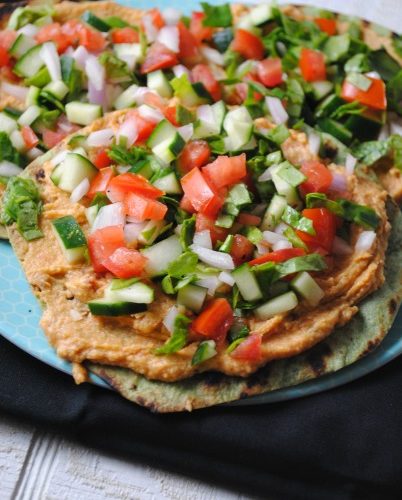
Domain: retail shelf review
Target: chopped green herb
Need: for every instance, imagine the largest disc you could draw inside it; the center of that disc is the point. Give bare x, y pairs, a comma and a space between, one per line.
187, 232
185, 264
394, 93
253, 234
8, 151
294, 239
227, 244
115, 68
123, 156
295, 219
357, 64
205, 350
179, 336
217, 16
290, 174
311, 262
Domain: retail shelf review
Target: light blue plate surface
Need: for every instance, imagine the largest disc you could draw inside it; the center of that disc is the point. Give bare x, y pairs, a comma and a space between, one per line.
20, 312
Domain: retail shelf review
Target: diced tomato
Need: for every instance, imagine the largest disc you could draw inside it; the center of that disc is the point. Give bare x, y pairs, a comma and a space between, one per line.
195, 154
102, 159
374, 96
7, 73
70, 31
53, 33
226, 170
91, 39
7, 38
171, 115
278, 256
324, 223
185, 204
326, 25
249, 349
102, 243
154, 100
248, 45
242, 249
29, 136
201, 195
188, 48
142, 208
270, 71
143, 126
312, 65
158, 57
215, 320
50, 138
100, 182
248, 219
213, 206
319, 178
200, 31
125, 35
202, 73
156, 17
203, 223
125, 263
4, 57
132, 183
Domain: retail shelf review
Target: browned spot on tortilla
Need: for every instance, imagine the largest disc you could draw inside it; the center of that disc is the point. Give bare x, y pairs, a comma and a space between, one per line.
39, 174
211, 379
372, 344
392, 306
259, 377
316, 358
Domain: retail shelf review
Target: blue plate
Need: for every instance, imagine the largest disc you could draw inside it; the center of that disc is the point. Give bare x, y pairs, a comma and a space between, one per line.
20, 312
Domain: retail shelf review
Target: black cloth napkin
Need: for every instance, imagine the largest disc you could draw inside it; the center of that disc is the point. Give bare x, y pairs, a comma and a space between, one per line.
344, 443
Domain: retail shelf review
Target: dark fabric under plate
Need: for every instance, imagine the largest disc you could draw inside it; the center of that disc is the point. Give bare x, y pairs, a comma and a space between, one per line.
344, 443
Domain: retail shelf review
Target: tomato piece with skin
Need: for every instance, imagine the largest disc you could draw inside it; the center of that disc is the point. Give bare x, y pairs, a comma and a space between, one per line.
53, 33
200, 31
249, 349
143, 126
29, 136
185, 204
374, 97
324, 223
170, 114
312, 65
319, 178
4, 57
100, 182
188, 46
326, 25
202, 73
102, 243
125, 263
225, 170
158, 57
215, 320
205, 223
142, 208
91, 39
248, 45
156, 17
278, 256
197, 189
125, 35
242, 249
195, 154
132, 183
51, 138
7, 38
270, 71
102, 159
248, 219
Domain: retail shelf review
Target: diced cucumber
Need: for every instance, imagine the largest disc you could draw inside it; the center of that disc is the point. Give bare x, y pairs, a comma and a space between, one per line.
247, 283
366, 126
109, 307
161, 255
328, 106
278, 305
308, 288
168, 183
29, 115
165, 142
238, 125
71, 238
75, 168
30, 63
22, 44
192, 297
156, 80
90, 212
95, 21
274, 213
83, 113
150, 232
138, 293
143, 168
321, 89
7, 124
55, 176
127, 98
336, 129
222, 39
40, 78
32, 97
284, 188
213, 125
130, 53
58, 89
261, 14
18, 141
190, 94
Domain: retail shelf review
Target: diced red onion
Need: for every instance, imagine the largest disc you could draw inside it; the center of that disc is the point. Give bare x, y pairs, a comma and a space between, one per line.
80, 56
50, 57
133, 230
80, 191
169, 319
129, 130
273, 238
140, 94
340, 247
34, 153
186, 131
339, 183
8, 169
96, 96
373, 74
219, 260
65, 125
95, 72
365, 241
280, 228
169, 37
171, 16
281, 245
203, 239
278, 112
151, 31
99, 138
314, 142
205, 114
150, 114
179, 70
16, 91
350, 164
211, 282
262, 248
212, 55
57, 159
28, 30
227, 278
109, 215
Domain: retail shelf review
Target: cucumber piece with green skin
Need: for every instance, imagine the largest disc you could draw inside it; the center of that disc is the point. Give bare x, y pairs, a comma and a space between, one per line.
156, 80
222, 39
238, 125
7, 124
137, 293
247, 283
364, 127
192, 297
278, 305
274, 213
321, 89
161, 255
58, 89
109, 307
83, 113
308, 288
90, 212
190, 94
213, 126
168, 183
130, 53
75, 168
95, 21
261, 14
166, 143
143, 168
32, 97
18, 141
30, 63
328, 106
336, 129
284, 188
71, 238
151, 231
39, 79
21, 45
29, 115
126, 99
